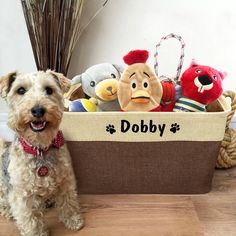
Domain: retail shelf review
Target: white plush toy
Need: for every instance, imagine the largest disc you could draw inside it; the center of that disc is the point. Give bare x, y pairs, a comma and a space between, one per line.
100, 82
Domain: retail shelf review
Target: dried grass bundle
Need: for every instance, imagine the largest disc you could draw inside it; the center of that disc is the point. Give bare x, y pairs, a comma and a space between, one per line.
54, 27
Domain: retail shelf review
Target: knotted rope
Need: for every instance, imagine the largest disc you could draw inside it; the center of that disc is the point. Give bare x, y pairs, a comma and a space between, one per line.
156, 64
227, 154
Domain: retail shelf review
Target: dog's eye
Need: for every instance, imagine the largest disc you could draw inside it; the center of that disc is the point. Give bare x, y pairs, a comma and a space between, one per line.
198, 71
49, 90
214, 77
113, 76
92, 83
21, 91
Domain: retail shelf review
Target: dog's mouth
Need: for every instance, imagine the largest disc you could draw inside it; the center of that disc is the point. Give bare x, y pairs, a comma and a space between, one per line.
38, 125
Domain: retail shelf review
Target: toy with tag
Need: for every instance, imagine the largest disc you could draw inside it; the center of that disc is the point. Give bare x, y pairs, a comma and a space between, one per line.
100, 83
200, 85
139, 89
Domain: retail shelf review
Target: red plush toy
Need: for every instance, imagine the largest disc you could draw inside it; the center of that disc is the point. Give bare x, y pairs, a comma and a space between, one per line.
200, 86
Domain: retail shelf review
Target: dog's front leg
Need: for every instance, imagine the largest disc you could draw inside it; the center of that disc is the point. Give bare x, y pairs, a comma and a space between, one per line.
28, 214
67, 204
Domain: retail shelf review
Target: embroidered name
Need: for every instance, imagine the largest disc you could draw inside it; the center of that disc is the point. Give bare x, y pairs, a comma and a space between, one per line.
142, 127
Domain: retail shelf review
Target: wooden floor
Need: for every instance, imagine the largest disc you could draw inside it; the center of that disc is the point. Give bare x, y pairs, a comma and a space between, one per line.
212, 214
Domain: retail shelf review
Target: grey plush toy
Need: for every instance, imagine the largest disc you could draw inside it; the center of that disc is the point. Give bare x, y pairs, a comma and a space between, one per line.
100, 82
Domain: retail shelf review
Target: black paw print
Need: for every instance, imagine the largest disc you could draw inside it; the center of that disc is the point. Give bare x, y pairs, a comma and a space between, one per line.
174, 128
111, 129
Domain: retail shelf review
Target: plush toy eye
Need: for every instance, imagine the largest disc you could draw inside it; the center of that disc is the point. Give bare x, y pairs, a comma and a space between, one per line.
21, 91
198, 71
145, 83
133, 84
49, 90
113, 76
92, 83
214, 77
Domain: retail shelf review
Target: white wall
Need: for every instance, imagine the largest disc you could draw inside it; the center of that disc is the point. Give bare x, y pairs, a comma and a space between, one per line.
207, 26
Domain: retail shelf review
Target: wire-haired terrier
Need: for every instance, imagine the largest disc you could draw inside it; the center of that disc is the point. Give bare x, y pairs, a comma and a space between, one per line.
36, 166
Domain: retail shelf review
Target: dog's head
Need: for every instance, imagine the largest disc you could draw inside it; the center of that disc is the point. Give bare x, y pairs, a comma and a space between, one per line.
202, 83
35, 103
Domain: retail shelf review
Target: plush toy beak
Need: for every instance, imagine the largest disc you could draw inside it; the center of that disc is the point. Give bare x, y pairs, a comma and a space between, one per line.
140, 96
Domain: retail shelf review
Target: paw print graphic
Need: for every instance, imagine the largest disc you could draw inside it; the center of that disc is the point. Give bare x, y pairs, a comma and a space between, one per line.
174, 127
110, 128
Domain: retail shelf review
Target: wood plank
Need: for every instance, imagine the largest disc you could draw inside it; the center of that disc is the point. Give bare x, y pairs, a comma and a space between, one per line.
138, 215
212, 214
217, 209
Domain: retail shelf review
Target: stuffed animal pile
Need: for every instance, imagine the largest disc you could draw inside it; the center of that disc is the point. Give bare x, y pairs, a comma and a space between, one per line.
137, 88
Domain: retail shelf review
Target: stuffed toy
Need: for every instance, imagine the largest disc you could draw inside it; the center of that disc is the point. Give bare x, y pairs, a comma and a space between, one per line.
100, 82
200, 85
139, 89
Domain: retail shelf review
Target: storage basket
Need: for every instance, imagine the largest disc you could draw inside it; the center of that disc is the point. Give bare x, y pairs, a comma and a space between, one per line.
138, 152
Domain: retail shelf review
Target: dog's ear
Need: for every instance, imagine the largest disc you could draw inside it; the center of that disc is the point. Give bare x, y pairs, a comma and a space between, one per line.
6, 83
63, 82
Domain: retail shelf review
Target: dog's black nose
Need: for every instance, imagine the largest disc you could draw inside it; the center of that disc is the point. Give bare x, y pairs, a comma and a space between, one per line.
205, 79
38, 111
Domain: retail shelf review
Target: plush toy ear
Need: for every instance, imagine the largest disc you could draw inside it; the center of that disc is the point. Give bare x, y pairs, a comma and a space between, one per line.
194, 63
64, 83
223, 74
6, 82
76, 80
119, 68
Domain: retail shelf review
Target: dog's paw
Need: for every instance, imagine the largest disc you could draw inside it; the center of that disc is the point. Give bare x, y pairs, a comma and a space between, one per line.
75, 222
45, 233
41, 232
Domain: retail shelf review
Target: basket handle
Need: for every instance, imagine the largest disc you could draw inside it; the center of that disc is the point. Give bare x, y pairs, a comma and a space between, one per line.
179, 38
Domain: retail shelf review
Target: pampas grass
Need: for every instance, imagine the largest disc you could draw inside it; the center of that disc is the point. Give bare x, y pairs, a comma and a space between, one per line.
54, 28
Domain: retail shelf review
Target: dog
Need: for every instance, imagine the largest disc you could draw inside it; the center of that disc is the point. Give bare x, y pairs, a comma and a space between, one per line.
36, 166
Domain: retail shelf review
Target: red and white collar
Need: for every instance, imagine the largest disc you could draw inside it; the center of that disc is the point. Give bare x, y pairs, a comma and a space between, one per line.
57, 142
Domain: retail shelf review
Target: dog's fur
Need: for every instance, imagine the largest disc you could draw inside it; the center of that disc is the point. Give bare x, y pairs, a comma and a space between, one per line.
22, 192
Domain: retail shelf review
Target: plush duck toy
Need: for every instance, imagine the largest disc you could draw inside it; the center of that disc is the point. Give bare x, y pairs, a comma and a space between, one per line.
139, 89
200, 85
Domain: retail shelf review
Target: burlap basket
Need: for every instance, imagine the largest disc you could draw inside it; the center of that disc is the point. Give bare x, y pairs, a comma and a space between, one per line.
137, 152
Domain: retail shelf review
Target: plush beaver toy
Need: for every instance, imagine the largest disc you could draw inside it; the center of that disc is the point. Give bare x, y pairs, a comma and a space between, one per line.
139, 89
200, 85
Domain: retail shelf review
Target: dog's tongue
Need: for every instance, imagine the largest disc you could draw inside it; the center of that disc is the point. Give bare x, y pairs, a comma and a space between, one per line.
38, 125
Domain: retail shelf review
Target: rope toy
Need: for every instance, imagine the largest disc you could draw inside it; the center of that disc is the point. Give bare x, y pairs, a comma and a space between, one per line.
227, 154
181, 59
